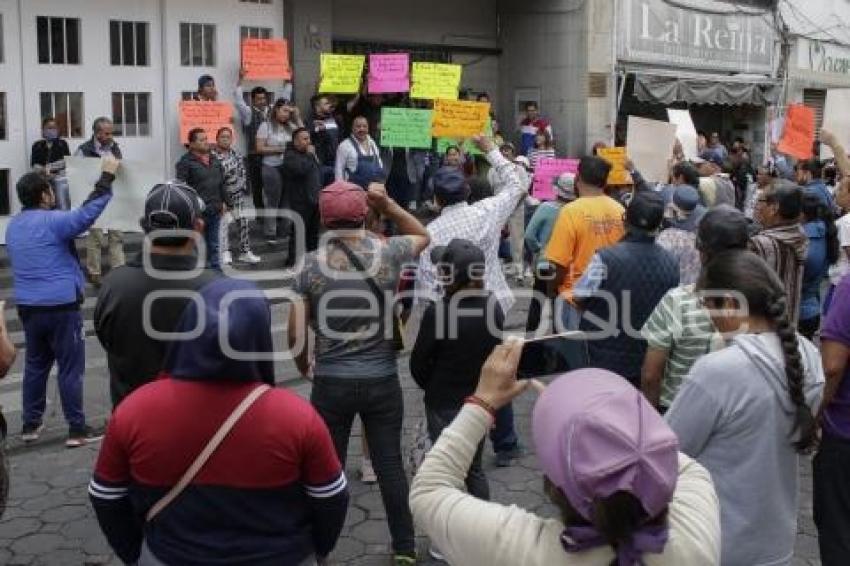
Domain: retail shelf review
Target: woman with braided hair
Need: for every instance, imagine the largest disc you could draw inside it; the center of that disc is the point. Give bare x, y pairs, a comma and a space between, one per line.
745, 412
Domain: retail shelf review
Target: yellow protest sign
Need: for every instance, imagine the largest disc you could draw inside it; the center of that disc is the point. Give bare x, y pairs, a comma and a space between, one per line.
432, 81
341, 74
460, 118
617, 157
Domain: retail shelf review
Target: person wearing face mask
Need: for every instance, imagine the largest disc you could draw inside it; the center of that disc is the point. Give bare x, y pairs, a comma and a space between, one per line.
48, 155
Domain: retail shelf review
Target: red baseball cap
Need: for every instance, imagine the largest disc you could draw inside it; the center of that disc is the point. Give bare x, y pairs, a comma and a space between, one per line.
342, 202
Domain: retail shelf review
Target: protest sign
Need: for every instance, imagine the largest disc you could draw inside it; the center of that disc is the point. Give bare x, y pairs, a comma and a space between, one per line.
341, 74
132, 183
460, 118
685, 131
617, 157
836, 119
650, 144
406, 127
435, 80
389, 73
265, 59
545, 174
798, 137
465, 144
211, 116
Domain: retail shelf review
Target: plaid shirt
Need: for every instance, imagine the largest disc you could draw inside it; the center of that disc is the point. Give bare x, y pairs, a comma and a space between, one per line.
481, 223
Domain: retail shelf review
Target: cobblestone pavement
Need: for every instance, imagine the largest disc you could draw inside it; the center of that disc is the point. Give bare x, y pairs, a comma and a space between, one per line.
49, 521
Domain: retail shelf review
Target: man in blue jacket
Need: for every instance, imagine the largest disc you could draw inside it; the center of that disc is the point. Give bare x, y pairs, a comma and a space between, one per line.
48, 290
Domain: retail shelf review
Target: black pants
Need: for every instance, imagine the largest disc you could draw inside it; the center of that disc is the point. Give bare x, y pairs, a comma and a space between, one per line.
254, 170
476, 481
309, 214
831, 470
380, 404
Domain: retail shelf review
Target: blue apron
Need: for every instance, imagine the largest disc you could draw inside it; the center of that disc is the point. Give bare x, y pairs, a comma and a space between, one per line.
368, 169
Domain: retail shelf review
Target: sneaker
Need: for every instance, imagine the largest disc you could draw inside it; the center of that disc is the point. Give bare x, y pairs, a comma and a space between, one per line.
404, 559
81, 437
249, 257
436, 554
226, 258
367, 472
31, 433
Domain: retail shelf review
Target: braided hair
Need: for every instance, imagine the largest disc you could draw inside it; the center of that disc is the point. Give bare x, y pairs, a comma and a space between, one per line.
748, 275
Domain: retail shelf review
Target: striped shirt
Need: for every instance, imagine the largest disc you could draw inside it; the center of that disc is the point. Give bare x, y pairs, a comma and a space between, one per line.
682, 327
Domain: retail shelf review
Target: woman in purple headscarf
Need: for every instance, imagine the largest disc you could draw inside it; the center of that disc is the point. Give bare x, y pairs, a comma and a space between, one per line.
611, 466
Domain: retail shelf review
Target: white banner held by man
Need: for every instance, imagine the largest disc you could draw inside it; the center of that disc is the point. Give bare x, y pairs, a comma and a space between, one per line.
836, 119
685, 131
132, 184
650, 144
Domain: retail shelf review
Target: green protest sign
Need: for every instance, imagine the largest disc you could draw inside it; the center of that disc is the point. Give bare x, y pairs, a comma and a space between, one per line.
406, 127
465, 145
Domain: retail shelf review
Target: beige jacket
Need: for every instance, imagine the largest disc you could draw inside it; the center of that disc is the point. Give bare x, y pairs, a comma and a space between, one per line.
472, 532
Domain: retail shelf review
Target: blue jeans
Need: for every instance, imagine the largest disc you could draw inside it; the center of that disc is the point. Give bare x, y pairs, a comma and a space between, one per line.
54, 336
572, 352
212, 222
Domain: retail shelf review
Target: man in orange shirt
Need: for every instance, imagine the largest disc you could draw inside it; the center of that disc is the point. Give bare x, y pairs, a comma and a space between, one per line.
591, 222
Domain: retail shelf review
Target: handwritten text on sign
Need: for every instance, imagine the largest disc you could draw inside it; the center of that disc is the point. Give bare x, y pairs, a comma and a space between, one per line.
798, 138
617, 157
211, 116
460, 118
389, 73
435, 80
265, 59
547, 171
406, 127
341, 74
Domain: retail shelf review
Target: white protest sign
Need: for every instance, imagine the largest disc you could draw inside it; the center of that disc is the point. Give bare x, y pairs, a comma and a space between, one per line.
836, 119
685, 131
132, 184
650, 144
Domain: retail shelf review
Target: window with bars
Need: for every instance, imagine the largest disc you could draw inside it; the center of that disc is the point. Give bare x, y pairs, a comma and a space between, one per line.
67, 109
2, 42
419, 53
197, 45
58, 40
249, 32
5, 203
128, 43
131, 114
3, 132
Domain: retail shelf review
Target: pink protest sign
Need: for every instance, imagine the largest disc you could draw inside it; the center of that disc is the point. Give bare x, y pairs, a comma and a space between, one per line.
389, 72
545, 174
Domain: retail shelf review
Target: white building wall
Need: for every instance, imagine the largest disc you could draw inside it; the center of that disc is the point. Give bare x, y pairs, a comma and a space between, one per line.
14, 155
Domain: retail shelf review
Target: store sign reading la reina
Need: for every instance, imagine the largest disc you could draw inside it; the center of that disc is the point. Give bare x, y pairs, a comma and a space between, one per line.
660, 30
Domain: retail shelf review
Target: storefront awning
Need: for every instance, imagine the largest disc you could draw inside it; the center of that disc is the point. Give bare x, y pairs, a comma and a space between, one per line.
664, 89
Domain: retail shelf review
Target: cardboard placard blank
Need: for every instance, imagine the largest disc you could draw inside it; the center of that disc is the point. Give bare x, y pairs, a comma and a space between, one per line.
211, 116
836, 119
341, 74
460, 118
617, 157
685, 131
650, 144
266, 59
798, 137
432, 81
545, 174
406, 127
389, 72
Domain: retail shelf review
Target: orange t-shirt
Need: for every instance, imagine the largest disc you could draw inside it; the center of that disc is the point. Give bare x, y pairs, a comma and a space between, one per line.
583, 227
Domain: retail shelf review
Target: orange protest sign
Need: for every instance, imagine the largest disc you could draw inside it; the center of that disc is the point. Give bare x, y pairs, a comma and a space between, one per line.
459, 118
798, 137
266, 59
211, 116
617, 157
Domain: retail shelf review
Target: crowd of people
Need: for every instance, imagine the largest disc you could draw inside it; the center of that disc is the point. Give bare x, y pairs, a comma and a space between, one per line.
678, 387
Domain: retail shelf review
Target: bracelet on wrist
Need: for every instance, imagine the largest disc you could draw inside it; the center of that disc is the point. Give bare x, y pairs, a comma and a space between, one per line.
473, 400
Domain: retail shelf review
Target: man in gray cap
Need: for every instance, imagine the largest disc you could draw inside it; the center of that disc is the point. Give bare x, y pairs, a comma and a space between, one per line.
682, 216
169, 265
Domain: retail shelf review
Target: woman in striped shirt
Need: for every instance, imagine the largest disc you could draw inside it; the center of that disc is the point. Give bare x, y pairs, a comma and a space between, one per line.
543, 148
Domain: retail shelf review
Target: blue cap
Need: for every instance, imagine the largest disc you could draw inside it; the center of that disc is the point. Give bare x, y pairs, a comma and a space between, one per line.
450, 184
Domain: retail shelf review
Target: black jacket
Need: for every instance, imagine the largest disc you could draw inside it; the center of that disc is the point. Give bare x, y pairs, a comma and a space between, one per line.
134, 358
208, 180
325, 140
42, 153
303, 176
88, 149
448, 369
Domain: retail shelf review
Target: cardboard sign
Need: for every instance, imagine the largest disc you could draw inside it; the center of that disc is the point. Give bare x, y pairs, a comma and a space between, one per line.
460, 118
406, 127
432, 81
266, 59
465, 144
836, 119
389, 73
617, 157
798, 137
545, 174
650, 144
685, 131
132, 183
211, 116
341, 74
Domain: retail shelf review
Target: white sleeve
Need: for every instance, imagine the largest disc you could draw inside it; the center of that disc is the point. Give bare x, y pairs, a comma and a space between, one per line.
242, 108
511, 191
341, 159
